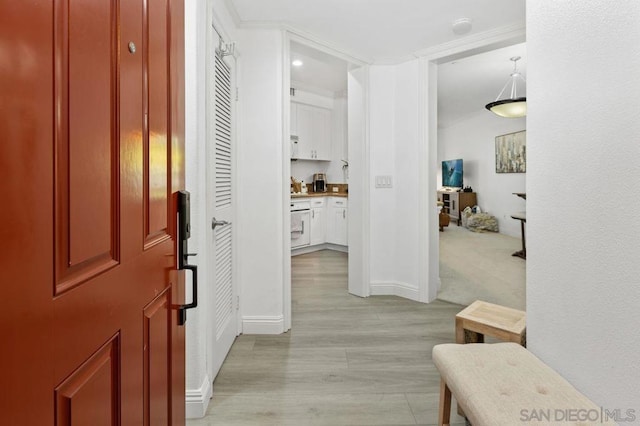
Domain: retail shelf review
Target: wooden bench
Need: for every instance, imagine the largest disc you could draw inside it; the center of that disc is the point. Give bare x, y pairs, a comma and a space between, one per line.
505, 384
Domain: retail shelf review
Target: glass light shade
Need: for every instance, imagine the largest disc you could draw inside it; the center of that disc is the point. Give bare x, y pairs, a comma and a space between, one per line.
509, 108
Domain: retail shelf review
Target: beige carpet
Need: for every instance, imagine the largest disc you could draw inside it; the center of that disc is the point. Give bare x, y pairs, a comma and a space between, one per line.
476, 265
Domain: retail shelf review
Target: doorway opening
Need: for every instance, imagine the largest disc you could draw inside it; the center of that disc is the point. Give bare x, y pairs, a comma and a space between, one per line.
477, 265
319, 167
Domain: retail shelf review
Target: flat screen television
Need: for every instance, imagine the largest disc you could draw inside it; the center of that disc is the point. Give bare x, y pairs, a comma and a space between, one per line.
452, 173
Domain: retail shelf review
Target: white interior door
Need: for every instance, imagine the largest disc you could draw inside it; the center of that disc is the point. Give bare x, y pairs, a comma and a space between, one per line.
358, 212
221, 176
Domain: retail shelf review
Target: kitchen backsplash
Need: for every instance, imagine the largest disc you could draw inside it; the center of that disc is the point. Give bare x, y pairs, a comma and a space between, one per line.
343, 188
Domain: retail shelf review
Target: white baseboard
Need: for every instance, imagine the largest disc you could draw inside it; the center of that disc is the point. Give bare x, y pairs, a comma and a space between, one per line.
391, 288
318, 247
263, 325
197, 400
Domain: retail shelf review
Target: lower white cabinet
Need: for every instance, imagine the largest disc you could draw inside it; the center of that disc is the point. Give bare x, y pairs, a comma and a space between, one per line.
337, 221
318, 225
301, 236
324, 222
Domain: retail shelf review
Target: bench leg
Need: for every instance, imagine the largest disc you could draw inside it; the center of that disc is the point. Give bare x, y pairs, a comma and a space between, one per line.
445, 404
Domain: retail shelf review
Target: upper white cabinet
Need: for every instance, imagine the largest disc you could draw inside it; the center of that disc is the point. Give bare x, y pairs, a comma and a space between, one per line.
312, 126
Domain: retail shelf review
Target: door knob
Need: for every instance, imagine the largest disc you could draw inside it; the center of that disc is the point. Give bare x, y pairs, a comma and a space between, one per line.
215, 223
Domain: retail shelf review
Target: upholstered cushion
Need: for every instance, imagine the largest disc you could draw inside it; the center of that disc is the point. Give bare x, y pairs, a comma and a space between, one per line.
505, 384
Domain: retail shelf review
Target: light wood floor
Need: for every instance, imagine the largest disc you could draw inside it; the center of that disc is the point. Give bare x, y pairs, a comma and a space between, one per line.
346, 361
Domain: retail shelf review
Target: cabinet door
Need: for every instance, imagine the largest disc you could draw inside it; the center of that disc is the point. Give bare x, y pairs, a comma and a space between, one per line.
337, 222
305, 132
454, 205
318, 226
322, 134
301, 238
340, 226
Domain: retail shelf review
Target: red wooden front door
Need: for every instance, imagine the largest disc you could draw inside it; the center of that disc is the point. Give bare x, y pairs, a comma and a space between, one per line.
91, 155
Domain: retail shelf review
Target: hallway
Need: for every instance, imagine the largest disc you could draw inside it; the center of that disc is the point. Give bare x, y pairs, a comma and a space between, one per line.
346, 361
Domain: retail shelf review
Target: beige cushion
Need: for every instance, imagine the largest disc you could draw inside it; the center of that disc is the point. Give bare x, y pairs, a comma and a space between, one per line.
505, 384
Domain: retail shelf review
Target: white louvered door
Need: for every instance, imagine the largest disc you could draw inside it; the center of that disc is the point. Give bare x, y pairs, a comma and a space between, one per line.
225, 318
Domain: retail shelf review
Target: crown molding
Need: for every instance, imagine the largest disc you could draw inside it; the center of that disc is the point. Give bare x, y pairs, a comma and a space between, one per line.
484, 41
397, 60
301, 36
312, 40
298, 85
233, 12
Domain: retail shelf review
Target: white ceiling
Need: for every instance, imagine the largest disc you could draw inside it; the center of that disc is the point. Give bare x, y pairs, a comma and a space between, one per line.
392, 30
318, 71
381, 30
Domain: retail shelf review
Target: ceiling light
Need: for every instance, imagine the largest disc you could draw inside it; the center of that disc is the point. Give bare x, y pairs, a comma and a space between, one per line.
513, 106
297, 63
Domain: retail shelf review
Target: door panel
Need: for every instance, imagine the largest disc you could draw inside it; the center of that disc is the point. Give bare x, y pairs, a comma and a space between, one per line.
157, 335
77, 265
86, 141
86, 55
91, 394
221, 207
156, 144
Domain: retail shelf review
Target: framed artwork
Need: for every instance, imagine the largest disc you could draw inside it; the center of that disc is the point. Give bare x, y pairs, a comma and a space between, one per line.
511, 152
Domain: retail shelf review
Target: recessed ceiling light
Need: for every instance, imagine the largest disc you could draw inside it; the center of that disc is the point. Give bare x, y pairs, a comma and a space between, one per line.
297, 63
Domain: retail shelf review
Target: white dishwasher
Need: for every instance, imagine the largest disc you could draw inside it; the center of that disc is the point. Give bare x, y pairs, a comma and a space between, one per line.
300, 236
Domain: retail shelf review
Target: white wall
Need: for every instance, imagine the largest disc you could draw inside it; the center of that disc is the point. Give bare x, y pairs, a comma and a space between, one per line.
473, 140
260, 198
382, 152
395, 151
198, 384
583, 149
407, 177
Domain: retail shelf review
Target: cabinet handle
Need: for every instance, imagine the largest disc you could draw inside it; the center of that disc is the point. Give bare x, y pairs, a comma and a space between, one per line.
302, 233
344, 214
313, 214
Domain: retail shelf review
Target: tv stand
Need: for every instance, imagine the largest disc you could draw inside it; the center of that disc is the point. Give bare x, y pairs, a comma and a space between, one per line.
455, 202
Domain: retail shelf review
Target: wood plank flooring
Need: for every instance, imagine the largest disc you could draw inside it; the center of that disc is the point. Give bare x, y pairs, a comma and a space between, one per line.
346, 361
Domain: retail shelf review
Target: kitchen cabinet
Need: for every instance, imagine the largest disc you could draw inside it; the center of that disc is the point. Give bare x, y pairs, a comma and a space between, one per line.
317, 226
312, 126
337, 221
300, 221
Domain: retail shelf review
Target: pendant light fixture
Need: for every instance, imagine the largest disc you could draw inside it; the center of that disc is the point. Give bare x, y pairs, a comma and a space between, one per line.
513, 106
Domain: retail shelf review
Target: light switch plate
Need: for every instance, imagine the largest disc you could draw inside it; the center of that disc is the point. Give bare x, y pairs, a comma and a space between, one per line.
384, 182
334, 189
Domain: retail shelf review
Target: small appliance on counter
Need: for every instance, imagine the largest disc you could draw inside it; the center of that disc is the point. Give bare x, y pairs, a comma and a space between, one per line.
319, 182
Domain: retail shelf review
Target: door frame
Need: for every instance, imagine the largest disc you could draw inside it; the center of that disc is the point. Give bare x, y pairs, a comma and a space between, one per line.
429, 284
200, 32
362, 262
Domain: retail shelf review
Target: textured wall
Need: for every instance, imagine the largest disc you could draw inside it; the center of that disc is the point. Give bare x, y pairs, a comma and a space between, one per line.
583, 290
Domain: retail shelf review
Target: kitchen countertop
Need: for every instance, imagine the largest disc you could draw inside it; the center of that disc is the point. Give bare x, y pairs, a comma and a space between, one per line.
319, 194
